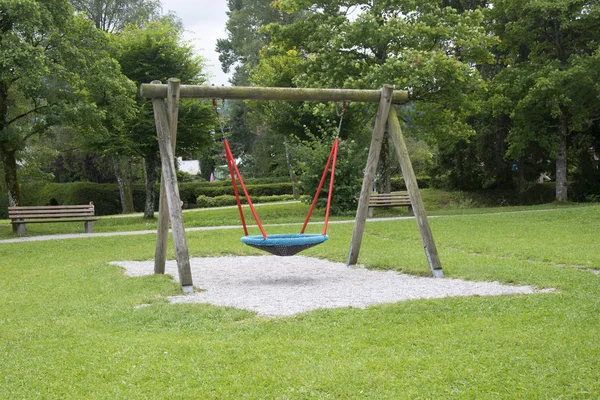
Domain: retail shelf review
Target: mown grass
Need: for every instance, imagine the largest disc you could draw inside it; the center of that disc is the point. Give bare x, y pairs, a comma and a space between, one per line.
70, 327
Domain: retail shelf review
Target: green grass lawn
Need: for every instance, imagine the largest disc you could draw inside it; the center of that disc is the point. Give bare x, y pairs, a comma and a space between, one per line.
69, 326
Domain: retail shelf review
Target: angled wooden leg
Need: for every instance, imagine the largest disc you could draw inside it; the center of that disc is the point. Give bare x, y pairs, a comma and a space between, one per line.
172, 190
374, 150
415, 196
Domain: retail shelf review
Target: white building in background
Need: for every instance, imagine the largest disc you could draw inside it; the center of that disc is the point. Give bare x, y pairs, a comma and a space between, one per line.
189, 166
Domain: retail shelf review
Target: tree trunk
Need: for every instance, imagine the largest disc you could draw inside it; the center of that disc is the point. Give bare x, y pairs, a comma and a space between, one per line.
9, 163
288, 161
10, 178
150, 180
123, 174
385, 169
561, 159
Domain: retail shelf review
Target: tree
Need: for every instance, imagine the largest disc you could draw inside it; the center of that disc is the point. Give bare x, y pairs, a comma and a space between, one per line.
112, 16
241, 50
53, 72
422, 46
548, 85
158, 52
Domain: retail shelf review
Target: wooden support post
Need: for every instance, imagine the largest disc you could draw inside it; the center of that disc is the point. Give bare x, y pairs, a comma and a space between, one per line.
172, 191
415, 196
374, 151
162, 235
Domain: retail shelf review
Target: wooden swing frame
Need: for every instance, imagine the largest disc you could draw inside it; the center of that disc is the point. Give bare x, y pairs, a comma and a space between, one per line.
165, 115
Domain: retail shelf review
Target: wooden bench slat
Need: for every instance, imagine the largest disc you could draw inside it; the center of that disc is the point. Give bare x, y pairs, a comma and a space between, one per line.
37, 216
50, 207
64, 211
389, 200
38, 221
50, 212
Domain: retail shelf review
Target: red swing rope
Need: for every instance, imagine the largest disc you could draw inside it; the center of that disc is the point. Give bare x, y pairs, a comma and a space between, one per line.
235, 189
335, 150
233, 171
332, 156
331, 160
232, 164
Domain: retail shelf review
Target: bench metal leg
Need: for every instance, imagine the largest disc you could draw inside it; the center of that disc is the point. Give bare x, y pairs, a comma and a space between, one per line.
21, 229
370, 212
89, 226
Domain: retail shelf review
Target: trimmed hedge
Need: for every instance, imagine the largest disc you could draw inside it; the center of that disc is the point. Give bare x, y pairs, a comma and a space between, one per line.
189, 192
105, 195
107, 200
229, 200
537, 193
398, 184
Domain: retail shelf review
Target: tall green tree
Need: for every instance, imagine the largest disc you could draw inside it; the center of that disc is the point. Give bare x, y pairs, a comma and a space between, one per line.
112, 15
53, 72
157, 51
548, 86
241, 49
239, 53
424, 46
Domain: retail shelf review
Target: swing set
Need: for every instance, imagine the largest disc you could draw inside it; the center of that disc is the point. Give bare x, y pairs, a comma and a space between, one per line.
165, 114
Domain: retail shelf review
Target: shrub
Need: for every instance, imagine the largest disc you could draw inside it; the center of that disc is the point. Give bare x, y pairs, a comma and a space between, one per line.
105, 195
399, 185
203, 201
107, 199
537, 193
189, 192
311, 158
227, 200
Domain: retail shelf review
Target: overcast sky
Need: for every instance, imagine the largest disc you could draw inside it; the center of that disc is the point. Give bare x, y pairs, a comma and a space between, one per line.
204, 22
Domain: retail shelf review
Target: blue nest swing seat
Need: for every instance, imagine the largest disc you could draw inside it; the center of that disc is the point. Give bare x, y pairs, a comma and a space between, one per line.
284, 244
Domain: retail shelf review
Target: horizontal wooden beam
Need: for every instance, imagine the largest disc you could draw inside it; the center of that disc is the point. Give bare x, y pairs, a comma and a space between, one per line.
272, 93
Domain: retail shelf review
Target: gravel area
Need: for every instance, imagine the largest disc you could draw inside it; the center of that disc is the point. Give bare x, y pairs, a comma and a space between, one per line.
274, 286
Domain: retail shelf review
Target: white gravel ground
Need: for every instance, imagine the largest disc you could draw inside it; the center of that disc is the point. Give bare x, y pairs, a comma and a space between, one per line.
273, 286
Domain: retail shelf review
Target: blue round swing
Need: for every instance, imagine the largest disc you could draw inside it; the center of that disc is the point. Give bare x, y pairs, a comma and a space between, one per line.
284, 244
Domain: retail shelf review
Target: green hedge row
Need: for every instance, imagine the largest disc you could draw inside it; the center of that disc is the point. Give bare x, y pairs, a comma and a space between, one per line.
229, 200
398, 184
247, 181
107, 200
189, 192
105, 196
537, 193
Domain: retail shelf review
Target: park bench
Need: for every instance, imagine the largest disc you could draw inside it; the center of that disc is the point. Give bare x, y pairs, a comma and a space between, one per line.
20, 216
394, 199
